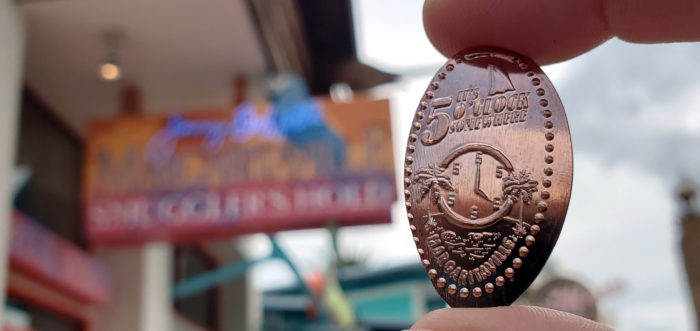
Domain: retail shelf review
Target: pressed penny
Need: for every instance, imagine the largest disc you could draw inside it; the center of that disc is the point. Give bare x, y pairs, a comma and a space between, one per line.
488, 176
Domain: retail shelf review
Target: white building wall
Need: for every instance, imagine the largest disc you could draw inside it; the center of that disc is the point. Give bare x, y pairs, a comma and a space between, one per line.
156, 294
141, 279
11, 66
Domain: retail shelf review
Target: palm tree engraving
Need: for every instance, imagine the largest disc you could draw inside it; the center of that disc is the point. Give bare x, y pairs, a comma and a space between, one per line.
519, 187
431, 180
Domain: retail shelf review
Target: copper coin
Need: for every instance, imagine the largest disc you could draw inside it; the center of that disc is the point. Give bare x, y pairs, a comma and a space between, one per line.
488, 176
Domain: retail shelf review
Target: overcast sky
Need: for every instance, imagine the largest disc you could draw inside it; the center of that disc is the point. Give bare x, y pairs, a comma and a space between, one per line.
634, 114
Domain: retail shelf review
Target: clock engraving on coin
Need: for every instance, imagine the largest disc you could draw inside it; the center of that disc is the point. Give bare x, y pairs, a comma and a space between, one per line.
488, 174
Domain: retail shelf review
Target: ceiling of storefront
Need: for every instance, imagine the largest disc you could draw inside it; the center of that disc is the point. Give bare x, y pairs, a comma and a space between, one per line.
181, 54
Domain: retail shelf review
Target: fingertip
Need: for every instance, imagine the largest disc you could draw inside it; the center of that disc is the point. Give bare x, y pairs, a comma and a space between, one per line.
547, 31
522, 318
652, 21
432, 319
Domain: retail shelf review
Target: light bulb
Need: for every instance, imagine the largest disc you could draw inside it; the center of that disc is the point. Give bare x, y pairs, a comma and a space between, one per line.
110, 72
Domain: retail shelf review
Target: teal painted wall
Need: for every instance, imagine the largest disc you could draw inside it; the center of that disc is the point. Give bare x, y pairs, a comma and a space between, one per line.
396, 307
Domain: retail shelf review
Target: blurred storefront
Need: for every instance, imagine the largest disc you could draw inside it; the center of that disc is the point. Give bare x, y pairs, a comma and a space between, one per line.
141, 140
149, 136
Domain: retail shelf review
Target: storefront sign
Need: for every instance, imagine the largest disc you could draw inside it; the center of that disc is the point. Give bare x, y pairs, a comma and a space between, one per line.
254, 169
42, 255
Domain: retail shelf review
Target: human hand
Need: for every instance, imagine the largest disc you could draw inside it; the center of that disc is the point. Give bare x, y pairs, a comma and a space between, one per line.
520, 318
550, 31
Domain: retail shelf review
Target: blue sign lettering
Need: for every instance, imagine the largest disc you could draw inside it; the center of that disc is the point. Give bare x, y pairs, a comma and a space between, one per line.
300, 123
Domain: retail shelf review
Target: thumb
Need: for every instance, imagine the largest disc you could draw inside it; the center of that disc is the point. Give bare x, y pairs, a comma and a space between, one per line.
521, 318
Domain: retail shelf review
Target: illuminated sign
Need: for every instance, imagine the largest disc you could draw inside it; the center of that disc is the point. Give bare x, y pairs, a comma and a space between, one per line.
245, 125
256, 169
243, 209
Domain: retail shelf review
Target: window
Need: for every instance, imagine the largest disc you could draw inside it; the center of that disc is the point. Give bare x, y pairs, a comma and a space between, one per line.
54, 155
201, 308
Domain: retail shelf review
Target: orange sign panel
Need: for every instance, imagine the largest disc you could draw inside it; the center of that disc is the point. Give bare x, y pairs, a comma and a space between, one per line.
255, 168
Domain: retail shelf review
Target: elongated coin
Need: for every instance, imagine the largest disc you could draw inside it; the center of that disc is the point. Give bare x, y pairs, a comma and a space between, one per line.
488, 176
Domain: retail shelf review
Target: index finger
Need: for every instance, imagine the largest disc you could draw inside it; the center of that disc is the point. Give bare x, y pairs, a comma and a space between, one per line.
550, 31
520, 318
